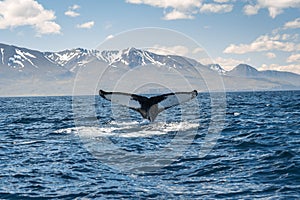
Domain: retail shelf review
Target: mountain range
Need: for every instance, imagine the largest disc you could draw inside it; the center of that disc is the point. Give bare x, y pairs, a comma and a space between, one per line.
29, 72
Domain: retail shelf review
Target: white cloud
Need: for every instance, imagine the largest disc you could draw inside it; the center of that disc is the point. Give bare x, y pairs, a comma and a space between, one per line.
169, 50
270, 55
75, 7
185, 9
263, 43
175, 14
177, 9
175, 50
48, 27
71, 12
289, 68
251, 10
14, 13
176, 4
293, 24
229, 63
216, 8
291, 37
274, 11
109, 37
226, 63
285, 36
293, 58
275, 7
86, 25
221, 1
198, 50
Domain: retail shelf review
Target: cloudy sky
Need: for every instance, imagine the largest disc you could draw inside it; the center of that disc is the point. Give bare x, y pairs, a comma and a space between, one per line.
262, 33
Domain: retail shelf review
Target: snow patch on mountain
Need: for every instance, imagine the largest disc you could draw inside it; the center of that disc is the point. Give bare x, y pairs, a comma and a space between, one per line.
23, 57
131, 57
109, 56
14, 62
62, 58
2, 55
24, 54
217, 68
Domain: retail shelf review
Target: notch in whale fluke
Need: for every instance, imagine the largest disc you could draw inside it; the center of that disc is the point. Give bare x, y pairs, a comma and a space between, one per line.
149, 108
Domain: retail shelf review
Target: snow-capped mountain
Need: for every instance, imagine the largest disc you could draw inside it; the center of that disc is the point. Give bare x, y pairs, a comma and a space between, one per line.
133, 57
23, 60
130, 57
16, 61
21, 66
72, 59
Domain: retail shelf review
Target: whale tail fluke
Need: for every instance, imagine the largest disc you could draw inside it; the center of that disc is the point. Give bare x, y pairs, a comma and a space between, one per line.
149, 108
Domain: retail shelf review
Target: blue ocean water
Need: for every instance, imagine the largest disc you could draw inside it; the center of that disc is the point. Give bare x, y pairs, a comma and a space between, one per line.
45, 154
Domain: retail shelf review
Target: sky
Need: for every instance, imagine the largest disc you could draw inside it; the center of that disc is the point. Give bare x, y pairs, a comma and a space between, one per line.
261, 33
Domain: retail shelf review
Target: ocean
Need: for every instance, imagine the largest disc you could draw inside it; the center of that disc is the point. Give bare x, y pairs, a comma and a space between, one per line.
51, 147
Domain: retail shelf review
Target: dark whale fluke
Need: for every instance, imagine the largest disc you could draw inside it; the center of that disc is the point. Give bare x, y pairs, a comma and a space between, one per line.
149, 108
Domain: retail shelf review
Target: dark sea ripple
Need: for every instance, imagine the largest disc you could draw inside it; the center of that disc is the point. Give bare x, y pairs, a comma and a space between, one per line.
257, 155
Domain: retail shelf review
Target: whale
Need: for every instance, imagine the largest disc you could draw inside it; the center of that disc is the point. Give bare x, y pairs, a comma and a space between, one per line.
148, 107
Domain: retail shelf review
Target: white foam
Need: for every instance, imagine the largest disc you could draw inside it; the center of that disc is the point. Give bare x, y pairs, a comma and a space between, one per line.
130, 129
28, 142
236, 114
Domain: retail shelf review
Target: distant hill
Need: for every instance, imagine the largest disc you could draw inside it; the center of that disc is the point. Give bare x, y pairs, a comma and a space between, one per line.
250, 78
